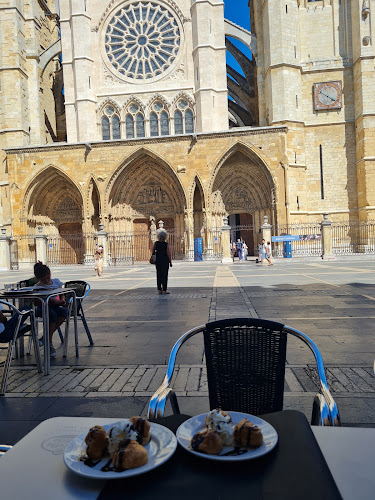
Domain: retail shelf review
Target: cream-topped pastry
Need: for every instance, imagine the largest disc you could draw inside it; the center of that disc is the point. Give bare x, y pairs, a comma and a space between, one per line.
221, 422
119, 433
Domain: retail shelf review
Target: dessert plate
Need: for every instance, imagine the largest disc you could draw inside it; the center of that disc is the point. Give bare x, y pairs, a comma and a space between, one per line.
196, 424
160, 449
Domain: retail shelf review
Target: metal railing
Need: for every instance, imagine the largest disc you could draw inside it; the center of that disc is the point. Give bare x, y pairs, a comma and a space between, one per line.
309, 243
353, 237
68, 249
136, 248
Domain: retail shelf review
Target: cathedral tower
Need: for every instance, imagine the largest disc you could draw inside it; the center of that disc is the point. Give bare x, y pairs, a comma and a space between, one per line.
143, 68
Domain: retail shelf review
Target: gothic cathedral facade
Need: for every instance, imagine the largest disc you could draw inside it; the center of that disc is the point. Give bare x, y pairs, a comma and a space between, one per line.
117, 114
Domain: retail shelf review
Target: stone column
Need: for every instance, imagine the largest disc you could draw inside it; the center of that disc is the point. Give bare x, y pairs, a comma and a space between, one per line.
225, 242
266, 230
153, 229
5, 242
102, 240
189, 226
327, 249
41, 246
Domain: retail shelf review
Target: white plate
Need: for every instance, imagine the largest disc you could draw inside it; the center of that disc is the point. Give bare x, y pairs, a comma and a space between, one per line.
161, 447
196, 424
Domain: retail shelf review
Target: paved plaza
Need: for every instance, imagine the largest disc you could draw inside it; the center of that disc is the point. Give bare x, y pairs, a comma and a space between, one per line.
134, 329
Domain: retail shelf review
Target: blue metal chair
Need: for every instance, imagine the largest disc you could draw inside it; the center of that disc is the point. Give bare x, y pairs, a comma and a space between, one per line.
20, 330
82, 289
245, 360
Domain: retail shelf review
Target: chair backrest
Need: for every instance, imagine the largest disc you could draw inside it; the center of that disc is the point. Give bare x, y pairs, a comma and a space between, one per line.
28, 282
78, 286
246, 365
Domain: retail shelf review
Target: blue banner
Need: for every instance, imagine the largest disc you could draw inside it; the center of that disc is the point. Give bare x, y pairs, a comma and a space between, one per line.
286, 237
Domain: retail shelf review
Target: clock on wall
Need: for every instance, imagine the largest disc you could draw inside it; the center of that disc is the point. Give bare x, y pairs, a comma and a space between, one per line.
327, 95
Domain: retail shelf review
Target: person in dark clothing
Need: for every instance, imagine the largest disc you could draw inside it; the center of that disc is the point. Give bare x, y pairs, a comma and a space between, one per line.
163, 260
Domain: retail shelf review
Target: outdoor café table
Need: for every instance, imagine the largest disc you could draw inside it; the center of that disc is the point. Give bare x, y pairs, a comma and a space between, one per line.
44, 296
296, 469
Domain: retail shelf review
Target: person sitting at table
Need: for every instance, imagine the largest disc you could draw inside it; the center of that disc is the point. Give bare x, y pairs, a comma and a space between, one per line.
56, 306
8, 326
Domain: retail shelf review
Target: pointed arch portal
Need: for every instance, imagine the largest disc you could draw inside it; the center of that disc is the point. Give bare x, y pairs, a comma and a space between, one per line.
242, 189
54, 202
142, 193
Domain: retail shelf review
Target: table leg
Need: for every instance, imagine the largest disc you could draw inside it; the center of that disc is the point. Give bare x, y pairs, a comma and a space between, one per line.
46, 337
75, 324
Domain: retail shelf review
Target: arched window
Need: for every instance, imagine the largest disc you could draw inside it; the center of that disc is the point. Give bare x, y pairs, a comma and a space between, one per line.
164, 123
106, 134
159, 119
183, 118
134, 116
116, 131
129, 124
178, 125
140, 125
111, 127
154, 125
189, 121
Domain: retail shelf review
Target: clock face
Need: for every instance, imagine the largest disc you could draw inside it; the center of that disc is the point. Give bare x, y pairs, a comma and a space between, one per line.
327, 95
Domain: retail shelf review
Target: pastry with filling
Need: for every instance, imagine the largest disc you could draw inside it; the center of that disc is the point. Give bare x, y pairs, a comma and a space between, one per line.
119, 433
97, 442
221, 422
247, 435
129, 455
142, 428
207, 441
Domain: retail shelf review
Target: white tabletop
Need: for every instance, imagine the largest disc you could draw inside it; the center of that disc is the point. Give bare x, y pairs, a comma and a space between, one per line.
350, 455
35, 469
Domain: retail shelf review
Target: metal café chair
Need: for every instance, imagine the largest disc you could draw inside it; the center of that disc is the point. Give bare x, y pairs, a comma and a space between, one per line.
4, 448
21, 329
30, 303
82, 289
245, 360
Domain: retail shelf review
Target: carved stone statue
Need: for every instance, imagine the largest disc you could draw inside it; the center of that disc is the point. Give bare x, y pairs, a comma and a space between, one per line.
152, 224
365, 9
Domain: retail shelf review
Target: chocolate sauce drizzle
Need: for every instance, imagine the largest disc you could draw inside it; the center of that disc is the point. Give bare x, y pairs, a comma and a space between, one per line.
88, 461
233, 453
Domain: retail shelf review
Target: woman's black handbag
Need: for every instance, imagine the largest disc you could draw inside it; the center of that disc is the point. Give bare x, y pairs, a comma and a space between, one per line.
153, 259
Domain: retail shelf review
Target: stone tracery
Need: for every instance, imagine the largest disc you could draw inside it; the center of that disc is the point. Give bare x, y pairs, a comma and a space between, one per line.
142, 40
53, 199
145, 188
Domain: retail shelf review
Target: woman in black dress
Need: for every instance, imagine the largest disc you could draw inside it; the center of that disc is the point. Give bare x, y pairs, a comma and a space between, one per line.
163, 260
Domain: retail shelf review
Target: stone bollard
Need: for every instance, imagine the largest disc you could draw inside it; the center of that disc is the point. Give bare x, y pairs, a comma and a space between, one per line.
327, 247
225, 242
266, 231
41, 246
5, 242
103, 241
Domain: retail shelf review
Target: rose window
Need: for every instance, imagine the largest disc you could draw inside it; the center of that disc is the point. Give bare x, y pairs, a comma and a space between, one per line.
142, 40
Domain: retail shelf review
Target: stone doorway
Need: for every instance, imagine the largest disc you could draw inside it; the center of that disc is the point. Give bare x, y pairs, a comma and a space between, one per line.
142, 244
242, 228
71, 244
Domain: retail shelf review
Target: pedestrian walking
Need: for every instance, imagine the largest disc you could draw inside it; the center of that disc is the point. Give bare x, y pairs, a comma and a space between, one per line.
163, 261
259, 259
244, 250
239, 249
99, 260
263, 252
268, 253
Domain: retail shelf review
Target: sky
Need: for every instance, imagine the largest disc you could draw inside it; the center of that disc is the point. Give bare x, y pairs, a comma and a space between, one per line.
238, 12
